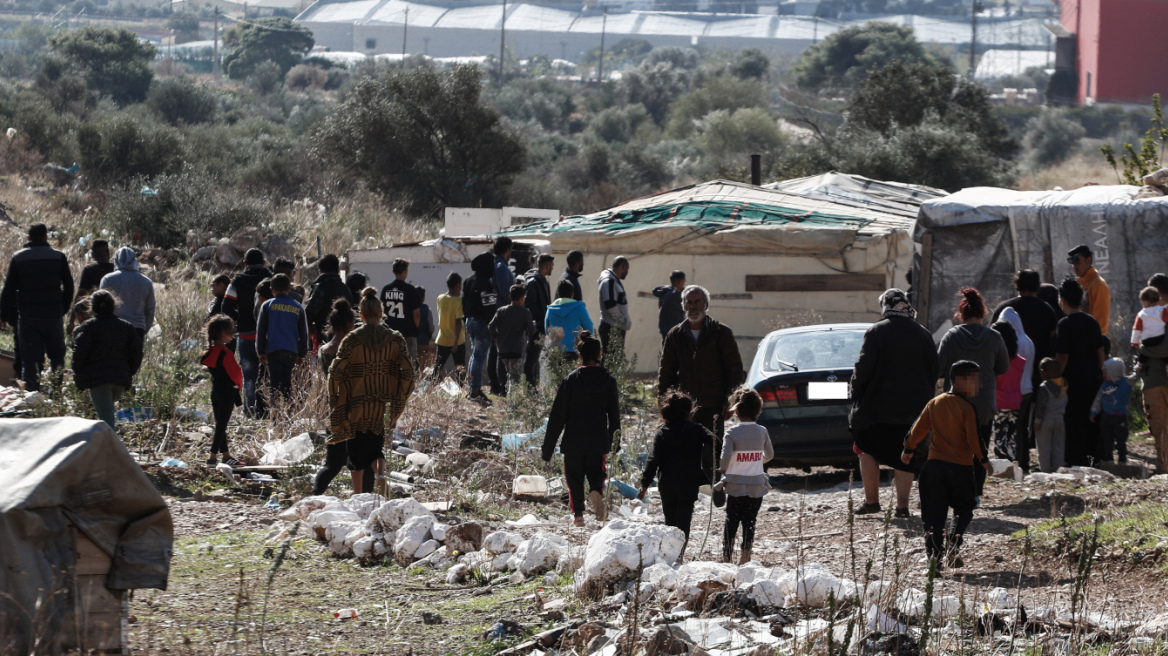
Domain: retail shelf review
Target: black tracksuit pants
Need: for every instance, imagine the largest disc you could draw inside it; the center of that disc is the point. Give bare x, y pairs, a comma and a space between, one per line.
739, 510
944, 485
222, 405
678, 506
579, 467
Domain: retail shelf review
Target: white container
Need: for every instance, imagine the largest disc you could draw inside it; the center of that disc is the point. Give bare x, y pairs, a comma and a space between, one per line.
532, 485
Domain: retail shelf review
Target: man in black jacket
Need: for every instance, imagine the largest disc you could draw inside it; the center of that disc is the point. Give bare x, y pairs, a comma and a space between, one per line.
894, 378
572, 273
539, 297
325, 290
701, 358
479, 299
37, 294
239, 304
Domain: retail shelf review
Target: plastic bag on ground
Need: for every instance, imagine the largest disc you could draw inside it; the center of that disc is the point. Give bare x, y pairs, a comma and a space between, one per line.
292, 450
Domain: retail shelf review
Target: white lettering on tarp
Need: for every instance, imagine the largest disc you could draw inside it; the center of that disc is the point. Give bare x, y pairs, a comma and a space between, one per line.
1101, 256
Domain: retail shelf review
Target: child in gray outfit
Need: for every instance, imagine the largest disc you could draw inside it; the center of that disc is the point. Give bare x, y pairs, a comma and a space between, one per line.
745, 451
1049, 426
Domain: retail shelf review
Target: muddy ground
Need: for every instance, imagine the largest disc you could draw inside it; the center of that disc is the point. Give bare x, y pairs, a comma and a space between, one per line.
220, 600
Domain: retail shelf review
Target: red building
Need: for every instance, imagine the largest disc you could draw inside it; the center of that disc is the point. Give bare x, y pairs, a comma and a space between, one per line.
1114, 48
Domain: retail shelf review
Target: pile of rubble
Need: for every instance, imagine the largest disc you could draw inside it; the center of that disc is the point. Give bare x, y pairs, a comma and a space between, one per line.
1155, 185
227, 252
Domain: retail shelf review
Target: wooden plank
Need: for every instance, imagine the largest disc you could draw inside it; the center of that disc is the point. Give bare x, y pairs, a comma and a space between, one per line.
91, 560
926, 282
833, 282
104, 632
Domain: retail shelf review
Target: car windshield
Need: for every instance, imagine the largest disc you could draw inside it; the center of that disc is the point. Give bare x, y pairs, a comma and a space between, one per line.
826, 349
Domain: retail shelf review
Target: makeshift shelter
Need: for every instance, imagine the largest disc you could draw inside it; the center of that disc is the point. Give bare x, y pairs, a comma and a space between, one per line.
803, 251
80, 524
981, 236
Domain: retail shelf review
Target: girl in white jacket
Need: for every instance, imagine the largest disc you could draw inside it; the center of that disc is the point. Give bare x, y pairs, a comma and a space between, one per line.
745, 451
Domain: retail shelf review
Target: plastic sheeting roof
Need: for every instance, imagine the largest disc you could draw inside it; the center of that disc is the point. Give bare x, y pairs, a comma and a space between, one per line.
862, 193
997, 62
983, 235
1025, 33
725, 217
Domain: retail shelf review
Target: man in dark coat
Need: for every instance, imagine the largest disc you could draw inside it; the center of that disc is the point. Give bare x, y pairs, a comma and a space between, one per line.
539, 297
37, 294
894, 378
325, 290
572, 274
701, 358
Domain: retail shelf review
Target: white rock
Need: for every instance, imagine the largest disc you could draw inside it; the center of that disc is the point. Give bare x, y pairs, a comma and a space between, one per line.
663, 576
1155, 627
911, 602
749, 573
319, 520
540, 553
475, 558
380, 548
428, 547
551, 578
393, 514
501, 542
341, 536
438, 532
613, 555
878, 592
305, 506
695, 572
812, 584
457, 574
571, 560
363, 547
767, 592
410, 536
364, 503
502, 562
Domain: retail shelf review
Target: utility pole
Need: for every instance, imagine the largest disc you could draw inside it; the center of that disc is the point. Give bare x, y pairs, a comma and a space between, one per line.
215, 48
973, 38
502, 41
603, 29
405, 33
814, 30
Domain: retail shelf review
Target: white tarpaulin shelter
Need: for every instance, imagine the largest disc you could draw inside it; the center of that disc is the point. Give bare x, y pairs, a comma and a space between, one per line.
981, 236
801, 251
80, 523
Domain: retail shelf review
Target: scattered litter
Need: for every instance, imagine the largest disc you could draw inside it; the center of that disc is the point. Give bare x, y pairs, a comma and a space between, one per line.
345, 614
172, 462
290, 451
135, 414
625, 490
531, 485
513, 441
273, 504
450, 387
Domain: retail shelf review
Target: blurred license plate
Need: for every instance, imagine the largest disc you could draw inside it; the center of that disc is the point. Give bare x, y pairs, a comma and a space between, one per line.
827, 391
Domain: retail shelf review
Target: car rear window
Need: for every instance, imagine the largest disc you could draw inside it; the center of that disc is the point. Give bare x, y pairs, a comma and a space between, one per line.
827, 349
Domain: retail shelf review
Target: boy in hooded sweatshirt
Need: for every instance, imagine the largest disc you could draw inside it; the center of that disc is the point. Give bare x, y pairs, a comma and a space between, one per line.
479, 301
1110, 410
565, 317
587, 412
1050, 403
134, 291
512, 328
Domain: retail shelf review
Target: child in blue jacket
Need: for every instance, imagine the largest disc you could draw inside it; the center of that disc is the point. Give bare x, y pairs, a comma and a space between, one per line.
1111, 401
569, 316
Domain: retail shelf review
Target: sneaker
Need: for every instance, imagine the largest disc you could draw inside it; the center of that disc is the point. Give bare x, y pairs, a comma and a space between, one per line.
954, 560
478, 397
869, 509
579, 521
596, 500
977, 502
902, 513
231, 462
211, 462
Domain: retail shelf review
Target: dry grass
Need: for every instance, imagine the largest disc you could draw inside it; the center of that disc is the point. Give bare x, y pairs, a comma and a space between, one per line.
1079, 170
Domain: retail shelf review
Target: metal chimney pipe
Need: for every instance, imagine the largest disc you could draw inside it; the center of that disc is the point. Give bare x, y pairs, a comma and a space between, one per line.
756, 170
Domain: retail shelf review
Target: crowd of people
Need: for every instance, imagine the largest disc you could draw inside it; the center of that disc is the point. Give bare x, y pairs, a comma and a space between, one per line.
1039, 376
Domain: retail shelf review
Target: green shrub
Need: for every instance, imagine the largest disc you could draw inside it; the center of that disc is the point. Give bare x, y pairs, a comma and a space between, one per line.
305, 76
123, 147
1051, 137
266, 78
180, 100
179, 203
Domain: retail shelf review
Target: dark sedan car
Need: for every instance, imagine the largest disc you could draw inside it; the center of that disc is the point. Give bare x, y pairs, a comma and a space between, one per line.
802, 375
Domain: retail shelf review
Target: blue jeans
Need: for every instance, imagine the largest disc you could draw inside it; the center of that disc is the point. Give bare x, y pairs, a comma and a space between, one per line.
105, 402
249, 362
38, 338
480, 339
